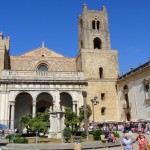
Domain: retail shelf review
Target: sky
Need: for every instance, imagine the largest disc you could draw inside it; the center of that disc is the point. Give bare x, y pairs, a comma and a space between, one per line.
30, 22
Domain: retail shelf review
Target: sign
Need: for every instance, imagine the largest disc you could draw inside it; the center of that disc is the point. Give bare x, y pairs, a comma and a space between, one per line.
77, 139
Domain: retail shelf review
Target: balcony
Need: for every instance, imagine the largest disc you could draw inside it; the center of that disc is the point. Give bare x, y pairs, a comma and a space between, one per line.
47, 75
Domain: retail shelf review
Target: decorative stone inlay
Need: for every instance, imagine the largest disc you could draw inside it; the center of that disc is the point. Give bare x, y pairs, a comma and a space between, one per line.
42, 52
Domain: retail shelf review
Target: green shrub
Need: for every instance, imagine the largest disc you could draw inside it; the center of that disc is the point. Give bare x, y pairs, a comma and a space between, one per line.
90, 132
9, 136
97, 133
20, 140
18, 135
83, 134
67, 134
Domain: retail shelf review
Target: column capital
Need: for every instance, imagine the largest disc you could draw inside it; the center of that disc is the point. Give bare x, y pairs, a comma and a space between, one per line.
33, 102
84, 93
12, 103
74, 101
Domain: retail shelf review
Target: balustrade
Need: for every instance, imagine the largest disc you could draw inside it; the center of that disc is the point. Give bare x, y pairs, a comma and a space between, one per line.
44, 75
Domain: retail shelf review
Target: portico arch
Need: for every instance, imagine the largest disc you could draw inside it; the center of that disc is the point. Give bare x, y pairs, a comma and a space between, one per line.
44, 101
65, 100
23, 105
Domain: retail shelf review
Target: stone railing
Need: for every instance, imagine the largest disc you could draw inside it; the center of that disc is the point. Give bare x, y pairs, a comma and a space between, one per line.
43, 75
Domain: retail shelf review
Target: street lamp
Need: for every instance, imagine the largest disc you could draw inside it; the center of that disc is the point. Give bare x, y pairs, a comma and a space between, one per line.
84, 93
94, 101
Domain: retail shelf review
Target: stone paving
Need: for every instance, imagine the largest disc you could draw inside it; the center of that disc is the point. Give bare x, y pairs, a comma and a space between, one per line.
69, 146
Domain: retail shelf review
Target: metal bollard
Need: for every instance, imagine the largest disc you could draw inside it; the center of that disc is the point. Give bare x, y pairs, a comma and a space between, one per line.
77, 142
77, 146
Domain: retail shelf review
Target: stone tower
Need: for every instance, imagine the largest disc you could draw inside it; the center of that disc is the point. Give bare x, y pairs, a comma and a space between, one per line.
4, 53
98, 62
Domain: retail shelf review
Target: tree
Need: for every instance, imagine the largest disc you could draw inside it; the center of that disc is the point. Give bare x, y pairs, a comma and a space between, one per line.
67, 134
71, 118
39, 123
81, 113
25, 121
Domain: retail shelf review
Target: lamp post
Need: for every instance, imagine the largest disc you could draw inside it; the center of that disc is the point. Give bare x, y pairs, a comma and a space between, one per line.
94, 101
84, 93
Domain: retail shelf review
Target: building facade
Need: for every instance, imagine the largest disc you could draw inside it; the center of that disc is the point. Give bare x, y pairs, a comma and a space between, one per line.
134, 93
42, 78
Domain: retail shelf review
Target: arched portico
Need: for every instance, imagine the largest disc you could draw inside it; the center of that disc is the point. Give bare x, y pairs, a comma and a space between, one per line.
43, 101
65, 100
23, 105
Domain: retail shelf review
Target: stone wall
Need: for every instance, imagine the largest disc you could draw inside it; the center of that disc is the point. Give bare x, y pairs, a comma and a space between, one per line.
31, 60
31, 63
110, 101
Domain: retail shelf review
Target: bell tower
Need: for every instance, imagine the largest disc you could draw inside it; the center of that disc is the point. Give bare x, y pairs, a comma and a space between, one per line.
98, 62
4, 53
93, 29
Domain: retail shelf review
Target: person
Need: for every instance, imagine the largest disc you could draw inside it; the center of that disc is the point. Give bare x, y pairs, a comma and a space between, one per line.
127, 128
82, 128
108, 135
113, 138
140, 132
148, 128
142, 142
139, 126
127, 142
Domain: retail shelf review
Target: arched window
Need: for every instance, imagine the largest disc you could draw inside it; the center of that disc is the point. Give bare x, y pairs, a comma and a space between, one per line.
42, 67
81, 24
81, 44
98, 25
101, 72
103, 110
125, 88
128, 116
93, 24
97, 43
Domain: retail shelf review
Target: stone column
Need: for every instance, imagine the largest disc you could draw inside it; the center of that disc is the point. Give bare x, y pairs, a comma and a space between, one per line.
33, 109
75, 106
146, 94
59, 123
57, 99
6, 109
12, 115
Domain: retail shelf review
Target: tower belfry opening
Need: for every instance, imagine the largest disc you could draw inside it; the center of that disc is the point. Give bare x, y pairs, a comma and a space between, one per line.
97, 43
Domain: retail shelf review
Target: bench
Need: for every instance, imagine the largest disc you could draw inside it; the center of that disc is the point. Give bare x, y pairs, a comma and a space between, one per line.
103, 139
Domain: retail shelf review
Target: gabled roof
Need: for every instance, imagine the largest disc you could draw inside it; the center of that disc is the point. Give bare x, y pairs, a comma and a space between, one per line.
42, 51
133, 71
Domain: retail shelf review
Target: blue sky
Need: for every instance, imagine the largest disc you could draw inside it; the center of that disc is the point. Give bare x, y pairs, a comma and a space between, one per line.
29, 22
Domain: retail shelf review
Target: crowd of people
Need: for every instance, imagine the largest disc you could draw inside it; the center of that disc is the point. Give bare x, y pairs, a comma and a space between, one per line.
128, 128
134, 127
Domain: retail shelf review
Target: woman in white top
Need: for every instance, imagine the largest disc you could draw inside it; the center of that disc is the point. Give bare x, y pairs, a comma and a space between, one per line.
127, 143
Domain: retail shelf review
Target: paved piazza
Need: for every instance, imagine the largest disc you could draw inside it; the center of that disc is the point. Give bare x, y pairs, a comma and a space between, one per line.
134, 145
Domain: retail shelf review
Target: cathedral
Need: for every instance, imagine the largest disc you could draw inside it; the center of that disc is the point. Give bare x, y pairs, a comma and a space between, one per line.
42, 78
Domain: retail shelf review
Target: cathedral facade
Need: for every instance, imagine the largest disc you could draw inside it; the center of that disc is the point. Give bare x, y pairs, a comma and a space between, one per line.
42, 78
